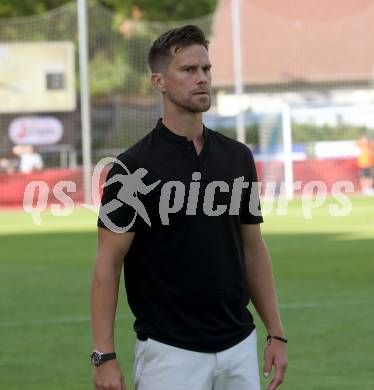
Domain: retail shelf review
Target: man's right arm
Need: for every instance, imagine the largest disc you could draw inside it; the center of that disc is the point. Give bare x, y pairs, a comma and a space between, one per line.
112, 248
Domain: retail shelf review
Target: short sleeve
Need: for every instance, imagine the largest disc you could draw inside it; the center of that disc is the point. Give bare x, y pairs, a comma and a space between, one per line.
114, 214
250, 211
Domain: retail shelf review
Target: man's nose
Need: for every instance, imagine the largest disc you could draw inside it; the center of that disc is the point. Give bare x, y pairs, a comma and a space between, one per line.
202, 77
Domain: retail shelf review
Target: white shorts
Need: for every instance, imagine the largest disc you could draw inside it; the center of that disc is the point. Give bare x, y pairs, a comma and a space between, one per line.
160, 366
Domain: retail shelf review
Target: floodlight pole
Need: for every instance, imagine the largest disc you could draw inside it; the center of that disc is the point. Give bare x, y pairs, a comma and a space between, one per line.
85, 99
287, 150
238, 72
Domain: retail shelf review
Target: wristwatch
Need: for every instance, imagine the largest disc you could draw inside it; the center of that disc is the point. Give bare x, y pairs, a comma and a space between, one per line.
98, 358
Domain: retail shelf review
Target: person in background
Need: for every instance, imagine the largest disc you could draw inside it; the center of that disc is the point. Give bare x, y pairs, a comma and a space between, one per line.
365, 162
29, 159
6, 166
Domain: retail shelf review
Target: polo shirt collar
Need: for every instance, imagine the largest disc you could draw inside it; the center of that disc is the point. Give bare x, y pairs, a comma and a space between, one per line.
173, 137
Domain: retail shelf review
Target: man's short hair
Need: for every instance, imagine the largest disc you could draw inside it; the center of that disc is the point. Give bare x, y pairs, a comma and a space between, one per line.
160, 53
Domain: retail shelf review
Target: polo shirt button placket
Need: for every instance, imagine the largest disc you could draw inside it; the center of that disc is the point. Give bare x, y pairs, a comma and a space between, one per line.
192, 150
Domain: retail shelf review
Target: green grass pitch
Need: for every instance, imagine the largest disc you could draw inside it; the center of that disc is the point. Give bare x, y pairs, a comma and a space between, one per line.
324, 269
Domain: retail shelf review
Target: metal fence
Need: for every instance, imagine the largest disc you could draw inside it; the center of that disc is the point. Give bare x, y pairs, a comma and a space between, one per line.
296, 86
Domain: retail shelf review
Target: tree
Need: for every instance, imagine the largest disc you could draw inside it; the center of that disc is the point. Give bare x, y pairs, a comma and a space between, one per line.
162, 10
152, 9
11, 8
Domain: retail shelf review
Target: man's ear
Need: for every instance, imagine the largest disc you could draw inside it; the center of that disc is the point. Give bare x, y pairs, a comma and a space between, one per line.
158, 81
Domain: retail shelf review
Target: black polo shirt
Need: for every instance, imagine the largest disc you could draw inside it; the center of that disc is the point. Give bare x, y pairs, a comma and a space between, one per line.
186, 280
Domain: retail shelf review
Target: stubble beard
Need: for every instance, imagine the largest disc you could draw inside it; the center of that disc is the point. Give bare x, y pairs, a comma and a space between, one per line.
189, 104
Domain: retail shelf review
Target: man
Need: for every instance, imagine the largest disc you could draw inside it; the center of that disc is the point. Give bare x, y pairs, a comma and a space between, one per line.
365, 162
30, 160
189, 274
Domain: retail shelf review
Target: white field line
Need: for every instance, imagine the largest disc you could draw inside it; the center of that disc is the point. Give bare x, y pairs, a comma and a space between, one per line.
53, 321
311, 305
80, 319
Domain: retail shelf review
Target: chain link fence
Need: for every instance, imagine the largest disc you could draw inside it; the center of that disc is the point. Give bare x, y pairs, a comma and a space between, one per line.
317, 64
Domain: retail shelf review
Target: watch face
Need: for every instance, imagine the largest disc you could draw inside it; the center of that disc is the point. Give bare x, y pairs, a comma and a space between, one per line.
96, 358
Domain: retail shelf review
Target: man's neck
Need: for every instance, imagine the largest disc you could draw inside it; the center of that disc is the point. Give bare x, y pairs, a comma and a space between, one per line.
190, 126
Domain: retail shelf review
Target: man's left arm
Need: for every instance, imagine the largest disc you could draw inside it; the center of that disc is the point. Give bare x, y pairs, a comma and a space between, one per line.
262, 292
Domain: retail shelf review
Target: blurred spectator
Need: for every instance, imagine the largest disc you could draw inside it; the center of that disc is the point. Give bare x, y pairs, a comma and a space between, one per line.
365, 162
128, 25
29, 160
6, 166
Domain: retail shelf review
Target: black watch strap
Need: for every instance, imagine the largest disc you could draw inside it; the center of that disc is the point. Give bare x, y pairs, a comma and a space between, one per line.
98, 358
108, 356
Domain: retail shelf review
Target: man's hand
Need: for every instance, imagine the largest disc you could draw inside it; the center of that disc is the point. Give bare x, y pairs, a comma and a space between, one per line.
108, 376
275, 354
